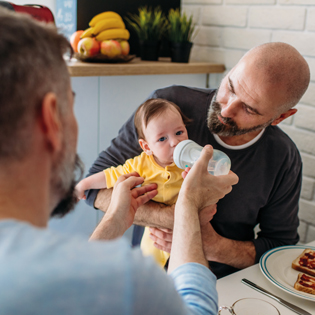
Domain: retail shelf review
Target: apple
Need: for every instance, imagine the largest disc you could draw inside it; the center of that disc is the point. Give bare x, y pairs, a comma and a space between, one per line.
110, 48
125, 48
88, 47
74, 40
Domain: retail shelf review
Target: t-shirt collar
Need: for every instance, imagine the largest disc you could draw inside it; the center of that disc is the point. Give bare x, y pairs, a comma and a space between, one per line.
238, 147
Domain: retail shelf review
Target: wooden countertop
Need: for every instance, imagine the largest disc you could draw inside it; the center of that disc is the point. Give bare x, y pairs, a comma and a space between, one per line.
139, 67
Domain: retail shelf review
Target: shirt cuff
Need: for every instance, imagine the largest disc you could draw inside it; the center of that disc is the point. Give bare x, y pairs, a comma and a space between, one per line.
197, 285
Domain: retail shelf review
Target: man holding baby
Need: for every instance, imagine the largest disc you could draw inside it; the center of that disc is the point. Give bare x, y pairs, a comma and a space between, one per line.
239, 118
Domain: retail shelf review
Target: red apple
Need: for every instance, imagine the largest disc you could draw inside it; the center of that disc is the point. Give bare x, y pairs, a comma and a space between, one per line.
88, 47
74, 40
125, 48
110, 48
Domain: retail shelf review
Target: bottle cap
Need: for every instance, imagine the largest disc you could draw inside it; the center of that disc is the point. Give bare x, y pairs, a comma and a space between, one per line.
177, 154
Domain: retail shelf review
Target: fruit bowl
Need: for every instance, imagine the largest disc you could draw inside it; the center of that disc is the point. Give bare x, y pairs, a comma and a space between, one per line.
104, 59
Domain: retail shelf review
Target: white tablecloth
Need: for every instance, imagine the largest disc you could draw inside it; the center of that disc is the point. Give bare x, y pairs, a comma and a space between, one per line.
231, 289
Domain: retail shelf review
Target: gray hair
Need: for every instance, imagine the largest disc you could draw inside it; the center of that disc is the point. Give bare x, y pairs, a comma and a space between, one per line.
31, 65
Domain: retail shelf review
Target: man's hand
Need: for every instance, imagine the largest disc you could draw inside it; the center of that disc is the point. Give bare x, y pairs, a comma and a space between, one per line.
162, 238
239, 254
125, 200
201, 189
79, 191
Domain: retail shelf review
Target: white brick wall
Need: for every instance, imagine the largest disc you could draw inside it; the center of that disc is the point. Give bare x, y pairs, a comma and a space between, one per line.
228, 28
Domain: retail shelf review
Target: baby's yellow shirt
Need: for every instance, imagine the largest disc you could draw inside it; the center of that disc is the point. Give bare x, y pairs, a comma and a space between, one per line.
168, 179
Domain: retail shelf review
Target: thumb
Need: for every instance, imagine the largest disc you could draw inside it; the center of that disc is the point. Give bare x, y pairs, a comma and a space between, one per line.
205, 156
133, 181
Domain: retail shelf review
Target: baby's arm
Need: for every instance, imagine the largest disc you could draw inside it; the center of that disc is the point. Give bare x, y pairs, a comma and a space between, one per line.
96, 181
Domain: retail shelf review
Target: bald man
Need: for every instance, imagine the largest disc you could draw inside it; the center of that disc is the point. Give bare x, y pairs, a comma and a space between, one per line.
240, 118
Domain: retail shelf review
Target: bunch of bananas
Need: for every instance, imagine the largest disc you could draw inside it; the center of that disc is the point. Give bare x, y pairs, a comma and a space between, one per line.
107, 25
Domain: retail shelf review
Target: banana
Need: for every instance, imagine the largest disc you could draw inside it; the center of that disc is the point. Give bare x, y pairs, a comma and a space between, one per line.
114, 33
104, 15
108, 24
87, 33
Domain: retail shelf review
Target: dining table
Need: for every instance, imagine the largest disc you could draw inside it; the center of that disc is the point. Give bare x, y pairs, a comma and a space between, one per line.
230, 289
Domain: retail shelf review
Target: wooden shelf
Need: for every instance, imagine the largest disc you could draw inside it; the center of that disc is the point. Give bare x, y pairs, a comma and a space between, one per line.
139, 67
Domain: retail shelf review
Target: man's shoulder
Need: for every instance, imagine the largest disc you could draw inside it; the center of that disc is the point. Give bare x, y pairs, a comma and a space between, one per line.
65, 256
40, 266
43, 245
175, 91
279, 141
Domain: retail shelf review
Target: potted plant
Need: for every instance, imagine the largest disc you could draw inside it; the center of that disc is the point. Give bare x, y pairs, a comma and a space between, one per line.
180, 32
150, 26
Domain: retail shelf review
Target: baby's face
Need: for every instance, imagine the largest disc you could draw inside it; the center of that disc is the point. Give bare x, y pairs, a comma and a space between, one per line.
162, 135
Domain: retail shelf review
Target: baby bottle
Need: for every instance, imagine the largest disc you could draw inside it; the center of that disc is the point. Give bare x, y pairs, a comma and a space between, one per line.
187, 153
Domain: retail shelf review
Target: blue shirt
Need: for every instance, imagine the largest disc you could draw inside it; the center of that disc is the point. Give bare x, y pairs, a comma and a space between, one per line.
44, 272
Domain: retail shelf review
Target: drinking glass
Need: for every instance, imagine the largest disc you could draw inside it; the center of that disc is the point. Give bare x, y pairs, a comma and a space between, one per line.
250, 306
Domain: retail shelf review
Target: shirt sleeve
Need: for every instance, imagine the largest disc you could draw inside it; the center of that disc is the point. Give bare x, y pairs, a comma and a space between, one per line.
279, 219
113, 173
196, 284
189, 290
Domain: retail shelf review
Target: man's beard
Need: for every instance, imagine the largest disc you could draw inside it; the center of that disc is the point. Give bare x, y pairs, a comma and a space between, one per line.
69, 199
230, 127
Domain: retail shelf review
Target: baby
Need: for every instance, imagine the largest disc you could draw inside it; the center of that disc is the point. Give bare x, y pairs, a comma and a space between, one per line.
160, 125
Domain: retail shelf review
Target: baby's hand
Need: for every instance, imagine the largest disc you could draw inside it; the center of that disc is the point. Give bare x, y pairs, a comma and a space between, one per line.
79, 191
185, 172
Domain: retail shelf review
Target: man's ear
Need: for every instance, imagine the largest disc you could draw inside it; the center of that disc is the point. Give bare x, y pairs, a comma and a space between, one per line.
284, 116
51, 121
145, 147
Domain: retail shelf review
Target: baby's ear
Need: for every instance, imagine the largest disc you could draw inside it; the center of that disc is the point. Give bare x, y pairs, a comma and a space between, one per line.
145, 147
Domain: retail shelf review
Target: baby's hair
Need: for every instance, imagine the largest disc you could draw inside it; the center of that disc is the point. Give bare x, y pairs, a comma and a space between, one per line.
152, 108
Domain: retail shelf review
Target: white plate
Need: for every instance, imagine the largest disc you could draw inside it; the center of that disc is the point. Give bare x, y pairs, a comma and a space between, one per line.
276, 267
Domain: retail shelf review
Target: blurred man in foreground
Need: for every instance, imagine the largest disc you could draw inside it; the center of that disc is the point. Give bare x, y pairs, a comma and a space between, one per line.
43, 272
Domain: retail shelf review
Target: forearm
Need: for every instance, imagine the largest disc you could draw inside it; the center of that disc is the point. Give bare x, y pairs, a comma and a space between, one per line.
103, 199
187, 241
238, 254
150, 214
96, 181
107, 229
155, 214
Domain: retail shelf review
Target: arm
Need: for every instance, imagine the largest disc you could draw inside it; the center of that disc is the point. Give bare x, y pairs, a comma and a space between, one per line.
238, 254
188, 267
123, 205
276, 214
199, 190
193, 281
123, 147
279, 221
278, 224
96, 181
149, 214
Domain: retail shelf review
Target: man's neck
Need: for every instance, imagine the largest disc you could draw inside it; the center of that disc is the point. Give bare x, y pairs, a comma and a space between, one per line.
240, 140
23, 193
